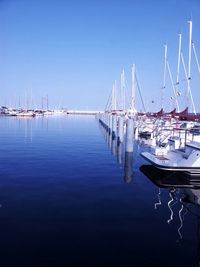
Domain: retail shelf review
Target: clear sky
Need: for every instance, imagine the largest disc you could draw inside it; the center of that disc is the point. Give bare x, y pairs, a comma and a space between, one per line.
74, 50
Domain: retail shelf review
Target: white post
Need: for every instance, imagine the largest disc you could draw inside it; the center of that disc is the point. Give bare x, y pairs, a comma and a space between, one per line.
113, 147
107, 121
119, 153
110, 123
120, 130
129, 135
114, 125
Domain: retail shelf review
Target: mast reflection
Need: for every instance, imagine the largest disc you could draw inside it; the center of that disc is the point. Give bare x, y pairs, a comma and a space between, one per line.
159, 199
183, 191
171, 203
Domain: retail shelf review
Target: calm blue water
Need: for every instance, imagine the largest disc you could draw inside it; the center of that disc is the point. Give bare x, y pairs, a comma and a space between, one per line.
68, 197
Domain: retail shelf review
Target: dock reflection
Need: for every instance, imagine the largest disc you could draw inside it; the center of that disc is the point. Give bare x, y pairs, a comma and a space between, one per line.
118, 150
128, 169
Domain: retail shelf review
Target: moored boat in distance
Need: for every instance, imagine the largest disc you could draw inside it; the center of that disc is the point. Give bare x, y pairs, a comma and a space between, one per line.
25, 113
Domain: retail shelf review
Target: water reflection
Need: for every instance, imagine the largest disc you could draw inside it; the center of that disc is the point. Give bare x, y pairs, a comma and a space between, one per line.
159, 199
120, 153
114, 146
26, 126
118, 150
128, 170
171, 203
183, 192
181, 218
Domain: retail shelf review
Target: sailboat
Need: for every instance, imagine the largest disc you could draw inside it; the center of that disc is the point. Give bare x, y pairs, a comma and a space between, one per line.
178, 154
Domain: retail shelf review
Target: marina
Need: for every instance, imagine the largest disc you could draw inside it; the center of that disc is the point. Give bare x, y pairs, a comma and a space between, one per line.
99, 133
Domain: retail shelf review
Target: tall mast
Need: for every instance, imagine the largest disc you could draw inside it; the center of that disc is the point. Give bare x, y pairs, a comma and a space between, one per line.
190, 49
133, 88
189, 64
121, 92
26, 99
178, 66
123, 96
19, 103
114, 96
31, 105
47, 98
164, 77
115, 99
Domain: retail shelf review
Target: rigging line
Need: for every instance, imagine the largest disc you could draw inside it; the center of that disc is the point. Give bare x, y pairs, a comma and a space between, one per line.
118, 104
128, 96
107, 104
195, 55
188, 83
174, 89
136, 79
126, 84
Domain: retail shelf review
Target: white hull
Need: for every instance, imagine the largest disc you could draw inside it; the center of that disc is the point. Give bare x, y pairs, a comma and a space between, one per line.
168, 165
176, 160
25, 114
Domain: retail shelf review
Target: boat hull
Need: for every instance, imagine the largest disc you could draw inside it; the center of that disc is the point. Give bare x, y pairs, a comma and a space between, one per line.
164, 164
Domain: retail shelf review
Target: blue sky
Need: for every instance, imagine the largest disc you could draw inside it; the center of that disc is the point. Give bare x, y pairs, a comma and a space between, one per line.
74, 50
